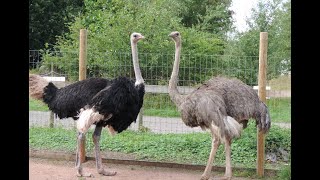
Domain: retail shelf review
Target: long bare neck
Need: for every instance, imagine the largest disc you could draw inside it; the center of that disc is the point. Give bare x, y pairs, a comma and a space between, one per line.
135, 60
174, 94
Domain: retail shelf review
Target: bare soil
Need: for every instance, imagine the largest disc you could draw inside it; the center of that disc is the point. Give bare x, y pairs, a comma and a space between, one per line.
41, 169
49, 169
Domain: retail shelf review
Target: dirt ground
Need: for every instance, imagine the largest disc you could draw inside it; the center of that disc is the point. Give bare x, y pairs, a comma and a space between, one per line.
47, 169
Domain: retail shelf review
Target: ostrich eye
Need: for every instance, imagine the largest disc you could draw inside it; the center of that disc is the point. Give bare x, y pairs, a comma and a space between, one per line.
135, 35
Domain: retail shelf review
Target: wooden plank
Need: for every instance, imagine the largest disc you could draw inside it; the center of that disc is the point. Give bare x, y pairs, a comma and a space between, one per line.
257, 87
181, 89
55, 78
164, 89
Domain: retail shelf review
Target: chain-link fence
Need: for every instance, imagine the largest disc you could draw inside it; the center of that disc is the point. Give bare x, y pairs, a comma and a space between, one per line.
159, 114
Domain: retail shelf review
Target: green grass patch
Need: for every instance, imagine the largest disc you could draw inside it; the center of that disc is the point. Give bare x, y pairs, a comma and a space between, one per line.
281, 83
52, 139
285, 172
167, 112
36, 105
280, 109
192, 148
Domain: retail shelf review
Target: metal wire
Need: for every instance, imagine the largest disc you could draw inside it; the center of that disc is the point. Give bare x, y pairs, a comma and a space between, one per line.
156, 69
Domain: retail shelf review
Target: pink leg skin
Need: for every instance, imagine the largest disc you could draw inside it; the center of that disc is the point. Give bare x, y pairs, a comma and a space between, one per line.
96, 140
228, 173
80, 172
214, 146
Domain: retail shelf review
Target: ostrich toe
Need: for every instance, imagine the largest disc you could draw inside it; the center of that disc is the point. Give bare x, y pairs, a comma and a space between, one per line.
107, 173
85, 175
204, 177
222, 178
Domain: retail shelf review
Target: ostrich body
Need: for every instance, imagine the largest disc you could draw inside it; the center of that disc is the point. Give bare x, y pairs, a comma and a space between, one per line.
113, 103
221, 105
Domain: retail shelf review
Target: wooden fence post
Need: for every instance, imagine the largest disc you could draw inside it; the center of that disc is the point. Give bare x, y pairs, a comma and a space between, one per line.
140, 119
262, 82
82, 76
51, 120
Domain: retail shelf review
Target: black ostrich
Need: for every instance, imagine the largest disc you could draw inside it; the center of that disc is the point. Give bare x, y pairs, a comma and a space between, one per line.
113, 103
221, 105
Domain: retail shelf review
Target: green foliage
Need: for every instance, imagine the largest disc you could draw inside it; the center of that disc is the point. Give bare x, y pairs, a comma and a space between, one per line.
273, 17
277, 140
110, 24
285, 172
48, 19
203, 25
208, 16
193, 148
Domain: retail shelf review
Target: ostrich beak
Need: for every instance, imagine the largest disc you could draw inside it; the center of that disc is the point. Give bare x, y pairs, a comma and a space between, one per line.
141, 37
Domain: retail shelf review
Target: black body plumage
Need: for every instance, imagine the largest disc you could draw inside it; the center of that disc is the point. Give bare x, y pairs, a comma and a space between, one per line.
122, 99
119, 97
67, 101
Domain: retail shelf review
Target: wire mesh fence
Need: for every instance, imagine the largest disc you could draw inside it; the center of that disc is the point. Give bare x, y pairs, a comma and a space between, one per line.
159, 114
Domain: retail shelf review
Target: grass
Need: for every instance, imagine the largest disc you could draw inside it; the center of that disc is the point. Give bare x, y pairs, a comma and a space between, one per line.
161, 105
166, 112
192, 148
285, 172
281, 83
36, 105
280, 109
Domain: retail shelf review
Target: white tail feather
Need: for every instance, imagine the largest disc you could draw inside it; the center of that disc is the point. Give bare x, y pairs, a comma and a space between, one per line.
233, 127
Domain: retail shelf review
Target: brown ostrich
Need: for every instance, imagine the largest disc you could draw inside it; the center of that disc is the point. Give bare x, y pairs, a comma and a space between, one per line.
221, 105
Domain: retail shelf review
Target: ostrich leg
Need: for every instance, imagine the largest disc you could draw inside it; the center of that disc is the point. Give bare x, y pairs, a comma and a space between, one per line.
228, 172
214, 146
96, 140
80, 173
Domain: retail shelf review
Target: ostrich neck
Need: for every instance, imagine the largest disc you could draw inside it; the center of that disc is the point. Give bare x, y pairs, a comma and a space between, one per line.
135, 60
175, 96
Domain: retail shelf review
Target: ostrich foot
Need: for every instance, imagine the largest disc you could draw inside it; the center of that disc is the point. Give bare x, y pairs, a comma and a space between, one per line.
205, 177
85, 175
222, 178
107, 173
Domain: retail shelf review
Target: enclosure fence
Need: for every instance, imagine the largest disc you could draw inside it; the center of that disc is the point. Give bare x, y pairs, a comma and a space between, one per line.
159, 114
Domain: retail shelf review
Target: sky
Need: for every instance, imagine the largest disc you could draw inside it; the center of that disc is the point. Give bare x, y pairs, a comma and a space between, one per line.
242, 10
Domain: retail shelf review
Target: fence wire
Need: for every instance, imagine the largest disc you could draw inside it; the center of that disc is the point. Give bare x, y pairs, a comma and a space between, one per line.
159, 114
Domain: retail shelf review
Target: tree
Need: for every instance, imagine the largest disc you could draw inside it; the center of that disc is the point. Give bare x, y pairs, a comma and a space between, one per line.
207, 15
110, 24
274, 17
50, 18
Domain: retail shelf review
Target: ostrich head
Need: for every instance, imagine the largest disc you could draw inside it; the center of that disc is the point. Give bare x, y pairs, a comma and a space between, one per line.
175, 35
135, 37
